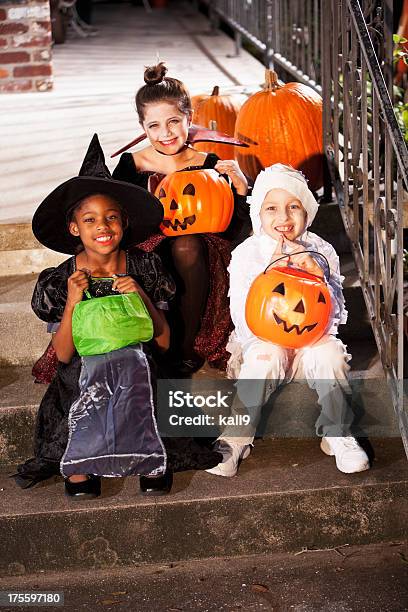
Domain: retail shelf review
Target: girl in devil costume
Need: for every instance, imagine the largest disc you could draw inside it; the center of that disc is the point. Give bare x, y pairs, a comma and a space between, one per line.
282, 208
198, 262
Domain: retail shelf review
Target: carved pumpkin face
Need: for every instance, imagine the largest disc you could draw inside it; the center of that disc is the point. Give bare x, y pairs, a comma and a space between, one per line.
288, 306
195, 202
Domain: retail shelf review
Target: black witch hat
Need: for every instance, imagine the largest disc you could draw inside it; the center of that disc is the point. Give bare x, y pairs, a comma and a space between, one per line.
144, 212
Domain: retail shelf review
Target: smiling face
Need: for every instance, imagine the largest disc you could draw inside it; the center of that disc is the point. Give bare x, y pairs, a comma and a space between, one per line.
282, 213
97, 221
166, 127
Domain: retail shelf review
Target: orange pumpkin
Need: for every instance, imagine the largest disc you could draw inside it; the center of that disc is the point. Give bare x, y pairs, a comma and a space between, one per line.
195, 202
217, 113
282, 124
288, 306
195, 101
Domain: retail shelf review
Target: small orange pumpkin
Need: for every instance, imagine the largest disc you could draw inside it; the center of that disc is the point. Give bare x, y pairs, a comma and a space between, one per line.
288, 306
217, 112
195, 101
282, 124
195, 202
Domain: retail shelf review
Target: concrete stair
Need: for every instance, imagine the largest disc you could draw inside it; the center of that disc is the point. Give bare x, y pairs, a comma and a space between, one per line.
348, 578
288, 495
25, 337
288, 498
23, 254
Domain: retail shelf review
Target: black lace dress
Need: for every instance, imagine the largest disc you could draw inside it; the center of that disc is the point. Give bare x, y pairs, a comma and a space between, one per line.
51, 430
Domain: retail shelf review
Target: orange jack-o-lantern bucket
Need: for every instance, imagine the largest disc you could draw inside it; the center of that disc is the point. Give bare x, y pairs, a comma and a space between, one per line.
288, 306
195, 202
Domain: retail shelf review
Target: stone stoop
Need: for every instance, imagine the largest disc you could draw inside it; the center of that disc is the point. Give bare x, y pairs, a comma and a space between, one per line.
288, 496
25, 337
21, 253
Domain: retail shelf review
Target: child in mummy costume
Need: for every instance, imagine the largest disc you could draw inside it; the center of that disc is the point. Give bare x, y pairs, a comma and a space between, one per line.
282, 208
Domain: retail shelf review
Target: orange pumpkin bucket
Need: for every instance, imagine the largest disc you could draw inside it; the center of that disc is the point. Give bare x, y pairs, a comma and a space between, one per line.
195, 202
288, 306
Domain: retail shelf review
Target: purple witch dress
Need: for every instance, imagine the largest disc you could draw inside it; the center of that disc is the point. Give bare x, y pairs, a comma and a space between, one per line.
98, 414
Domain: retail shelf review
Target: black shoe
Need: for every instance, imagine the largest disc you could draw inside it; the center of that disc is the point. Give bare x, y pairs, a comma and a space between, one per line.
156, 486
88, 489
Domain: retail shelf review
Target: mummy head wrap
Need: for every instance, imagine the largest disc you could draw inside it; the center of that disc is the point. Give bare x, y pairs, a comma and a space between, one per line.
280, 176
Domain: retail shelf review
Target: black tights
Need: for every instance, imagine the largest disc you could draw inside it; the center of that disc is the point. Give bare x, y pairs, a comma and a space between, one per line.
189, 265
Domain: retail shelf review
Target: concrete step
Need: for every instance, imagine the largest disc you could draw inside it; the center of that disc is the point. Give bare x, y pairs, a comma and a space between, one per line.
344, 579
21, 253
19, 401
288, 496
24, 335
292, 411
328, 224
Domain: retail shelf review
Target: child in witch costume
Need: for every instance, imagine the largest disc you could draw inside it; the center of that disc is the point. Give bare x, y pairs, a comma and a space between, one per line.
97, 417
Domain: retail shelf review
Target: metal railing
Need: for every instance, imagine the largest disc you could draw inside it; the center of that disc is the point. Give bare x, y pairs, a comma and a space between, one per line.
287, 34
368, 162
343, 48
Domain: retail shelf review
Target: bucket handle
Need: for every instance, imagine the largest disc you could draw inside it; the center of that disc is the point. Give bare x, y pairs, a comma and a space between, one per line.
298, 253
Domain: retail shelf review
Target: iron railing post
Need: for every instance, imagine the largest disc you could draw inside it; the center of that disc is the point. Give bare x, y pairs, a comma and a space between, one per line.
213, 16
326, 72
270, 26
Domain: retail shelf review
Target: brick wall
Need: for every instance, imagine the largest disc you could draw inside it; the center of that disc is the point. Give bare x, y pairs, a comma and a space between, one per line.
25, 46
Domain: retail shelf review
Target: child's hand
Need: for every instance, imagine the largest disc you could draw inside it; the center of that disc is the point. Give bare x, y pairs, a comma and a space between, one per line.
278, 254
126, 284
302, 260
77, 283
233, 171
306, 262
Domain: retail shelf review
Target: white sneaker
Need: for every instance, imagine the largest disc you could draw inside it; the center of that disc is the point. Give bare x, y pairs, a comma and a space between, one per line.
350, 457
232, 455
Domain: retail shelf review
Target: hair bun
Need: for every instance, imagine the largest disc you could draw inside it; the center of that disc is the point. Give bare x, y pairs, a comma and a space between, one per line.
155, 74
